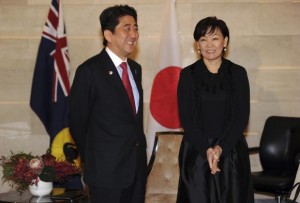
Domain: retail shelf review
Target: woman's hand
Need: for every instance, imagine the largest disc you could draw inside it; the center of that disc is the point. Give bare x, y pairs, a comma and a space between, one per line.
213, 157
217, 151
213, 160
209, 155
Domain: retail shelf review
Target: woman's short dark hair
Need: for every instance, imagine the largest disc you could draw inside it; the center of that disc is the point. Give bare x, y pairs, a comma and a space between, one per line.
210, 24
109, 18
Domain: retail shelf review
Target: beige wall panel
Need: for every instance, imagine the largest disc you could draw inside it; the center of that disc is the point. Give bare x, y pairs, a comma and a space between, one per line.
276, 18
17, 118
260, 111
230, 1
82, 21
15, 85
253, 18
255, 52
258, 114
21, 20
249, 51
18, 2
20, 129
24, 141
130, 2
18, 53
294, 50
253, 85
278, 85
240, 18
149, 19
65, 2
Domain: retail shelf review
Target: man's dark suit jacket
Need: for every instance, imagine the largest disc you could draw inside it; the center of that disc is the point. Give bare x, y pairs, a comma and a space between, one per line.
103, 125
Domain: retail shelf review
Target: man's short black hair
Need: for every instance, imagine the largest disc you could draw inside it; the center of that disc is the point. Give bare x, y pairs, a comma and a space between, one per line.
109, 18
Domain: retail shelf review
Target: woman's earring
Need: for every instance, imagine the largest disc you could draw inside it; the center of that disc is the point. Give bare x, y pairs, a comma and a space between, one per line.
198, 51
225, 49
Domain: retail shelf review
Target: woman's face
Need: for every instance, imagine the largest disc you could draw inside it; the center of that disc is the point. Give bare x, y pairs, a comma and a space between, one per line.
211, 45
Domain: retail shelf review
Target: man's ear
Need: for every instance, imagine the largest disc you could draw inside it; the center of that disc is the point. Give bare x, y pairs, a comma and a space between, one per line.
107, 35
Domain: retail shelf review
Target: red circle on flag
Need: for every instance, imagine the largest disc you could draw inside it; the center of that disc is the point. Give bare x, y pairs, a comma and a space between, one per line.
163, 102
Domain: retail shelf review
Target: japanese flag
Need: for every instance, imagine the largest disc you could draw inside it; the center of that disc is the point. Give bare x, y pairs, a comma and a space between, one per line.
163, 115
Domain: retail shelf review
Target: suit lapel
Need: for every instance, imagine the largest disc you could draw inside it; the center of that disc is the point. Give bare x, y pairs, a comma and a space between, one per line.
115, 79
111, 71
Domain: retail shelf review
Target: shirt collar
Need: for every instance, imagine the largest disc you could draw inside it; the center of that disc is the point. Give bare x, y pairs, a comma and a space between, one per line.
116, 60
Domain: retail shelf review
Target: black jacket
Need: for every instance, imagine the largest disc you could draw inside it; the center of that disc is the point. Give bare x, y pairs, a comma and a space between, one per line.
102, 124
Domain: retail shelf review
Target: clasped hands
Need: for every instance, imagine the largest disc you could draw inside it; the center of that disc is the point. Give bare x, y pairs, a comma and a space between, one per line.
213, 157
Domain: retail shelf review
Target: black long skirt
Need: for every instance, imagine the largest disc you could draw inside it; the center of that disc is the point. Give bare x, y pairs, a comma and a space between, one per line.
232, 185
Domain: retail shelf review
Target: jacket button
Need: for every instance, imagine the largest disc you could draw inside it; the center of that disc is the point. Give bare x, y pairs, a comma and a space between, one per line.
137, 144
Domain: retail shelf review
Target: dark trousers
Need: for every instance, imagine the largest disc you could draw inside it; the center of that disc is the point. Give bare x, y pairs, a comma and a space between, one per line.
135, 193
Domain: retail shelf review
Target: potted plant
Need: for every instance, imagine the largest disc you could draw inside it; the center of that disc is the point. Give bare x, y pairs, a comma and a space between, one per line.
24, 170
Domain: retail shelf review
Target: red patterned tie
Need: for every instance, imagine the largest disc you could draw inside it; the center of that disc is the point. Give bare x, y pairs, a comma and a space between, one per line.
126, 82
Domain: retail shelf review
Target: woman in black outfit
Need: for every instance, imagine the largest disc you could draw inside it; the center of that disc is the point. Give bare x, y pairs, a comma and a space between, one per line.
214, 106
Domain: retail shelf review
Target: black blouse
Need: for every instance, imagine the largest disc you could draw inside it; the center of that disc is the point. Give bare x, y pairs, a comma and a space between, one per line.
213, 105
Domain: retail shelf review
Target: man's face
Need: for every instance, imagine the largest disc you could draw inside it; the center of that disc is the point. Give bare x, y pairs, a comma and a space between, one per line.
124, 39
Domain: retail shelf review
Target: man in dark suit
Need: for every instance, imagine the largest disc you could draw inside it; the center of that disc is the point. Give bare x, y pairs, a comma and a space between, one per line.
106, 126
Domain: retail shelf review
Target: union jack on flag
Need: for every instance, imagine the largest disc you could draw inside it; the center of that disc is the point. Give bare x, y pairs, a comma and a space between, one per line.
54, 30
51, 84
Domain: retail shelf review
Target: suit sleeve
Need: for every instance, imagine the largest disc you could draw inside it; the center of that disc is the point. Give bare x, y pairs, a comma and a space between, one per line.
187, 113
79, 109
241, 111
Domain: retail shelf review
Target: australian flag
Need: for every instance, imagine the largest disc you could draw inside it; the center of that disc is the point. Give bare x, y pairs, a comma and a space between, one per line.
51, 85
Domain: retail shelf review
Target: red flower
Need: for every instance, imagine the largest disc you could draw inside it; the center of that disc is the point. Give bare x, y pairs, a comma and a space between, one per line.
48, 159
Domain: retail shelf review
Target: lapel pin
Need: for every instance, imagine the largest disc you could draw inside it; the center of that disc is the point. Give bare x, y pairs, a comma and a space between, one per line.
110, 72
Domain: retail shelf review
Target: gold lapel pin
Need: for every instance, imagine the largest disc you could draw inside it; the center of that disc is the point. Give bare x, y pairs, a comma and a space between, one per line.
110, 72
